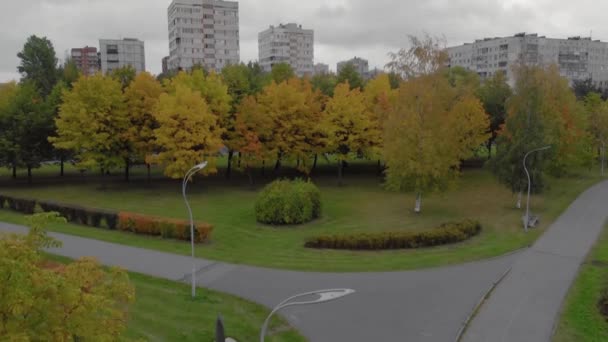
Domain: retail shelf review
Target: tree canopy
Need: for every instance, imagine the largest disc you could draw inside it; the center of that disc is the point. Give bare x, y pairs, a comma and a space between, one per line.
38, 64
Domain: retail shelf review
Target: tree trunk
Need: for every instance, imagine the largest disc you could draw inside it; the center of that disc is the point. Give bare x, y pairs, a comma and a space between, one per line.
340, 171
29, 174
149, 173
314, 164
61, 163
127, 164
229, 167
263, 168
418, 207
239, 162
298, 163
277, 166
14, 171
379, 167
518, 205
250, 175
489, 150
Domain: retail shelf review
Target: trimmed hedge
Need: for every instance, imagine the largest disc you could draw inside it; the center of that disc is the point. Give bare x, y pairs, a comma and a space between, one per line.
164, 227
99, 218
285, 202
22, 205
445, 234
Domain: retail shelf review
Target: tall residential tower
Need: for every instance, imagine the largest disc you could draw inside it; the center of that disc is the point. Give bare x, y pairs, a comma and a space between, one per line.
116, 54
203, 32
289, 44
86, 60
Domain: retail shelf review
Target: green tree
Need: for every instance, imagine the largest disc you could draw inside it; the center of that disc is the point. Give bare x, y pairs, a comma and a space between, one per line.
494, 94
93, 122
326, 83
236, 78
258, 79
282, 72
349, 74
42, 301
27, 122
542, 111
8, 156
431, 127
597, 113
69, 73
38, 64
53, 103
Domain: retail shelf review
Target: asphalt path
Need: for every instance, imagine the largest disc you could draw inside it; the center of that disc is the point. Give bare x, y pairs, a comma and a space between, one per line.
421, 305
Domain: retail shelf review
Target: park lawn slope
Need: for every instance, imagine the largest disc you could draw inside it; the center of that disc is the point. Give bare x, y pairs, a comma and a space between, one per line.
581, 319
362, 205
164, 311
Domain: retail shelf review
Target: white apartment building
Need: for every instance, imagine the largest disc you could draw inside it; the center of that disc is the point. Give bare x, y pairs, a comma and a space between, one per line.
116, 54
360, 64
577, 58
290, 44
203, 32
321, 69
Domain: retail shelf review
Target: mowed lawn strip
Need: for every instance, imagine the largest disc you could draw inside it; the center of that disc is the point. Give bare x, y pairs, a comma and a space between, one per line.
362, 205
581, 319
164, 311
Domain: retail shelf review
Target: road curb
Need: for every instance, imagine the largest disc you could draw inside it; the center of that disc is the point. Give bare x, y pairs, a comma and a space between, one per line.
483, 298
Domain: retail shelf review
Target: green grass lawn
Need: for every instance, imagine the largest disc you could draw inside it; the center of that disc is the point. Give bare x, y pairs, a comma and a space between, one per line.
164, 311
362, 205
580, 318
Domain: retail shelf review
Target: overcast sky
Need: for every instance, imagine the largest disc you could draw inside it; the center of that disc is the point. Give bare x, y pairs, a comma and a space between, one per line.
343, 28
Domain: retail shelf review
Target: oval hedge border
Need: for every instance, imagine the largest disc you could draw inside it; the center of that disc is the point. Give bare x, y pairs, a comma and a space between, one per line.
447, 233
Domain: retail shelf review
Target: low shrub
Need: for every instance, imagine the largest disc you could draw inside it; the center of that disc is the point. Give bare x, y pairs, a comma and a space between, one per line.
445, 234
164, 227
284, 202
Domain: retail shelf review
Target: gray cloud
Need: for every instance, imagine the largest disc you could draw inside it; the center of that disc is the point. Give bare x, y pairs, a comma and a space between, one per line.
343, 28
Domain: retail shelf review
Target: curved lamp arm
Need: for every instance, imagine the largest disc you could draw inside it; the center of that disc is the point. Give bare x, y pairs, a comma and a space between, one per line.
324, 296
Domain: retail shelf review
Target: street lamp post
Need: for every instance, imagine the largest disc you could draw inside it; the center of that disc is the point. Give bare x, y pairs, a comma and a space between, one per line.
324, 296
527, 219
187, 178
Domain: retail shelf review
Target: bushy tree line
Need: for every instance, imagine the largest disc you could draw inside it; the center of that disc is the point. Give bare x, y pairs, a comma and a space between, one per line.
422, 119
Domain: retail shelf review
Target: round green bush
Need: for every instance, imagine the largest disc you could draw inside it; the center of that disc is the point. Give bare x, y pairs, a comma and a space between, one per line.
285, 202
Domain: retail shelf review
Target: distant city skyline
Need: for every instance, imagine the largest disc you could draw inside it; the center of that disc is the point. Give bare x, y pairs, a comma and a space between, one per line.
343, 28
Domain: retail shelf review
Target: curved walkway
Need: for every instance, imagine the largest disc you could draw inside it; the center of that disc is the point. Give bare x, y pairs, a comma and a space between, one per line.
422, 305
425, 305
526, 304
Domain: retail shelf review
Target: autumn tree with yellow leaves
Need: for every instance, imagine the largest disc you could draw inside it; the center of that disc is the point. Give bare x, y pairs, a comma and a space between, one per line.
93, 122
141, 98
42, 301
348, 123
429, 131
188, 132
